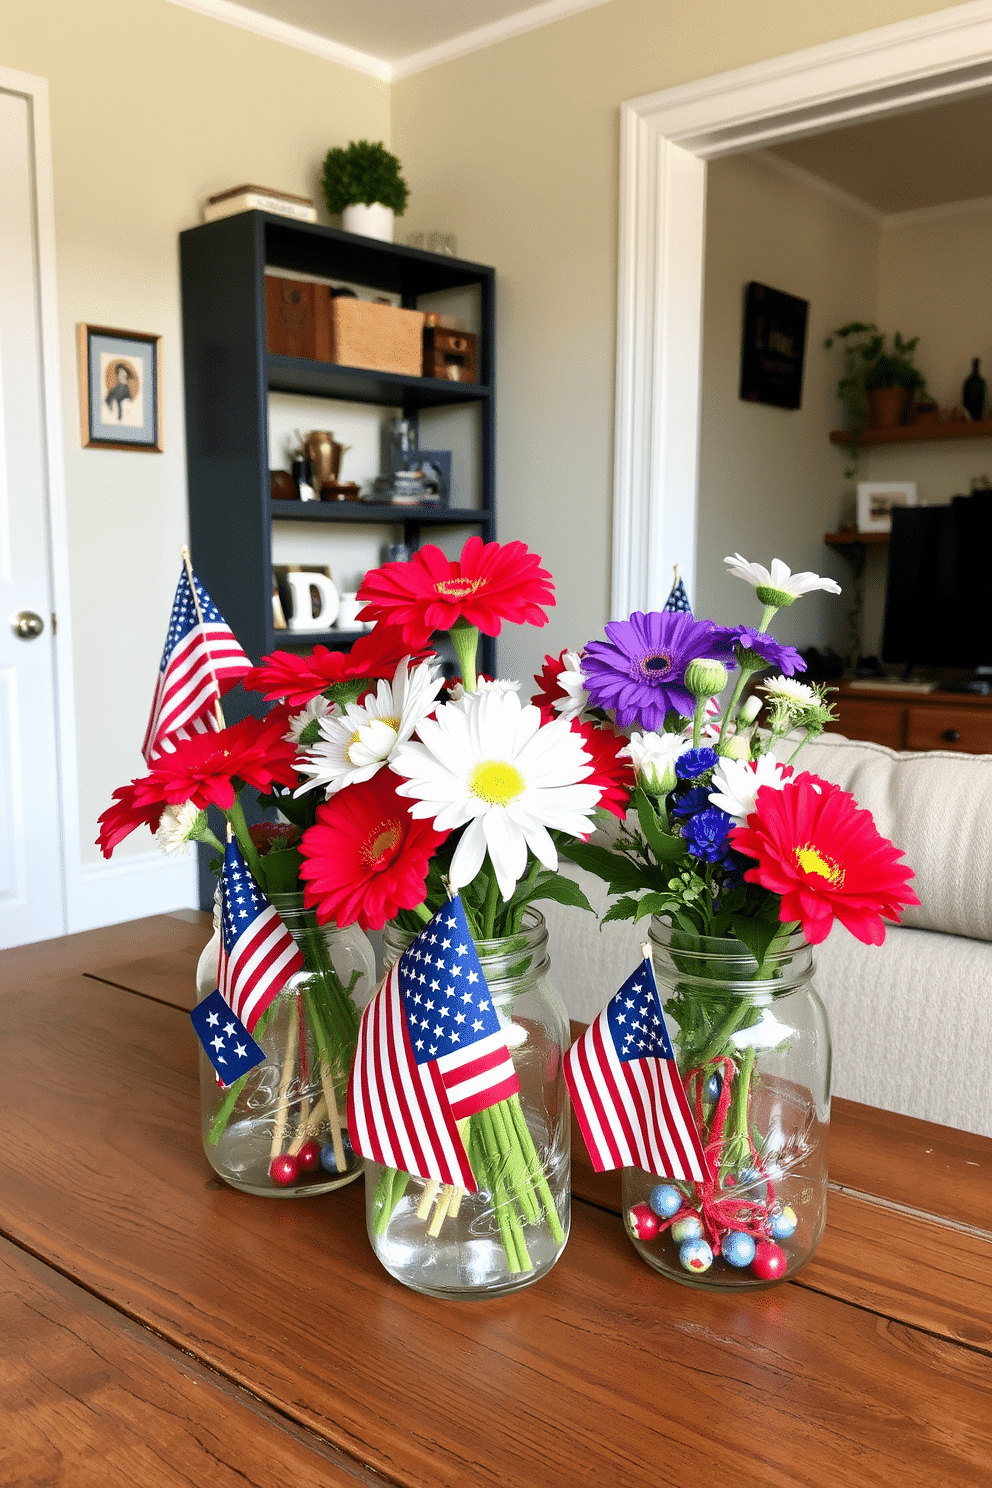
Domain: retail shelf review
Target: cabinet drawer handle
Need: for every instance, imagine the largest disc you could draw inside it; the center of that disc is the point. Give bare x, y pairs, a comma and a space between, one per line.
951, 735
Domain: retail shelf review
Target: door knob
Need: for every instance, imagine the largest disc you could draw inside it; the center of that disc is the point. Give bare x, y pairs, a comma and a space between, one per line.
27, 625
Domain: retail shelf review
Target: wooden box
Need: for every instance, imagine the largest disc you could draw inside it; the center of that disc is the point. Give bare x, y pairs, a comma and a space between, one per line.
297, 318
449, 354
383, 338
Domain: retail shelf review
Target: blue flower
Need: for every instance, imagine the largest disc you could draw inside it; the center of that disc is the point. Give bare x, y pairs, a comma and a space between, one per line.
691, 801
769, 652
695, 762
706, 834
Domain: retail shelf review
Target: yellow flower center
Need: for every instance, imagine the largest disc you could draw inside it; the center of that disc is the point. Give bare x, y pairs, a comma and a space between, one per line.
812, 861
496, 781
376, 850
458, 588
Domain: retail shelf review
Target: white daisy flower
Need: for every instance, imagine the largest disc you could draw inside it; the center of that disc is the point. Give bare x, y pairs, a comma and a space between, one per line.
357, 741
789, 693
778, 586
576, 702
736, 783
653, 757
498, 684
317, 708
177, 825
487, 763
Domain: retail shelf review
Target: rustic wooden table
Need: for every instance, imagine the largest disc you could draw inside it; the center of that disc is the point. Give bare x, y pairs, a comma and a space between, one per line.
158, 1328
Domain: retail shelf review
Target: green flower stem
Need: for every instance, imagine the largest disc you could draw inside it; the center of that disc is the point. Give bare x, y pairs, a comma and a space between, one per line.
230, 1100
697, 721
730, 711
766, 619
423, 913
493, 1173
205, 835
236, 817
534, 1166
489, 911
389, 1190
465, 639
518, 1179
735, 1145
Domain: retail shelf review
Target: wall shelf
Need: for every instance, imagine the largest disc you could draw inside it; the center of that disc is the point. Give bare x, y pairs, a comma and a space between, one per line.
913, 433
375, 511
852, 538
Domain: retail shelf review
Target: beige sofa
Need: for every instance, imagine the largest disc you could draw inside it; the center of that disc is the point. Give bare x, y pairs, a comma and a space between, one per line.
911, 1019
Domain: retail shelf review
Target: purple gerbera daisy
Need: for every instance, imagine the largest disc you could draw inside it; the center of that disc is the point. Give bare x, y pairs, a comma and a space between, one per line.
769, 652
639, 671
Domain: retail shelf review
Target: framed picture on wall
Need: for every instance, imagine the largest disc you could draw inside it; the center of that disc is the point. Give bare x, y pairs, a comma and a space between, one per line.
120, 389
876, 500
773, 347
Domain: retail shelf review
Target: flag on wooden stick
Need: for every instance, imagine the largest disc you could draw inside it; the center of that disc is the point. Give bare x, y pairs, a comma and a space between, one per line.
430, 1052
677, 602
200, 662
626, 1089
257, 952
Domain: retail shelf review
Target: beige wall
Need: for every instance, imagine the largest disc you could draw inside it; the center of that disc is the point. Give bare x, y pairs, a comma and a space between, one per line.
153, 108
515, 149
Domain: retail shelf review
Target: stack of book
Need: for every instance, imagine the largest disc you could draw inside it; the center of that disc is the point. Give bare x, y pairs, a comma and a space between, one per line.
259, 199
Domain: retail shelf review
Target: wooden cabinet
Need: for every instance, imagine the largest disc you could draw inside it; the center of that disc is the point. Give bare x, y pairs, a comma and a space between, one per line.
905, 719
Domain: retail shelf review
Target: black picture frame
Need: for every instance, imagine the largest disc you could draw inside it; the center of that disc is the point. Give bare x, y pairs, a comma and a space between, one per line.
773, 346
437, 465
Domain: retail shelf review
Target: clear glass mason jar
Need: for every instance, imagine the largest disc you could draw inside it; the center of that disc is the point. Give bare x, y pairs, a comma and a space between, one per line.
753, 1048
281, 1129
450, 1243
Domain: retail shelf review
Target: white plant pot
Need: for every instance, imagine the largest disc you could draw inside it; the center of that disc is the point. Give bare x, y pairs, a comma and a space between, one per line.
374, 221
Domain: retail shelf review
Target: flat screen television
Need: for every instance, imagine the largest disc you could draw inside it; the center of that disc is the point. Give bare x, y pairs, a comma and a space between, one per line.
938, 592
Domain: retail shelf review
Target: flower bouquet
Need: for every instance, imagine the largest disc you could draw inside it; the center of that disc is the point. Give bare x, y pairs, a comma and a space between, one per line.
742, 865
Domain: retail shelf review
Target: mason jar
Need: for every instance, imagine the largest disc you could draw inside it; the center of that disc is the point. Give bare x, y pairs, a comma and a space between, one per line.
450, 1243
281, 1130
752, 1045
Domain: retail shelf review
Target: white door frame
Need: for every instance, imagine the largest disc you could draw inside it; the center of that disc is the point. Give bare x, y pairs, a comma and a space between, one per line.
35, 91
666, 140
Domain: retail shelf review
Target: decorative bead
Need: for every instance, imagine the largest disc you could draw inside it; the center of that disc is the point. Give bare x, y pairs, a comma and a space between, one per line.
689, 1227
696, 1255
284, 1169
328, 1161
643, 1222
309, 1156
713, 1087
769, 1260
737, 1248
784, 1223
749, 1178
665, 1200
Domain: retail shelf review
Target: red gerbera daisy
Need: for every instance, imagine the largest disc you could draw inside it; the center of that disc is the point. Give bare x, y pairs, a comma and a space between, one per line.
297, 679
120, 819
614, 777
367, 858
549, 689
490, 583
202, 769
822, 853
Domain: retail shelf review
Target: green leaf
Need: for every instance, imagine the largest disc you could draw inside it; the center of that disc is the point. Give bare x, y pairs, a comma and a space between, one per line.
757, 935
597, 860
281, 869
560, 890
667, 849
623, 909
653, 904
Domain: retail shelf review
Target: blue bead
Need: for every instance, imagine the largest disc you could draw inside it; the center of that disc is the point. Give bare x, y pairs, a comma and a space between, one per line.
784, 1223
689, 1227
327, 1159
737, 1248
713, 1087
665, 1200
696, 1255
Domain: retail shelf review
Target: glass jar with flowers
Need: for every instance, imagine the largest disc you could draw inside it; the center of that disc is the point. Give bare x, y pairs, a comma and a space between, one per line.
278, 995
742, 864
443, 820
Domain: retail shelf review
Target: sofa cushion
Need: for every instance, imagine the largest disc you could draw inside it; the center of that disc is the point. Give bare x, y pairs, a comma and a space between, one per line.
936, 807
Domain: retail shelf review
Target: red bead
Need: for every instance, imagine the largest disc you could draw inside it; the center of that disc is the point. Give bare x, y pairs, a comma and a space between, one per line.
643, 1222
309, 1157
284, 1169
769, 1261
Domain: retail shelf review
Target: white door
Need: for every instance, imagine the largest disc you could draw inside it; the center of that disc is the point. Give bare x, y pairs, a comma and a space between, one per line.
32, 898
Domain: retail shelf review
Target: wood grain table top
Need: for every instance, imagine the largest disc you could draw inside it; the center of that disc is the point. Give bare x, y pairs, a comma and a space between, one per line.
160, 1328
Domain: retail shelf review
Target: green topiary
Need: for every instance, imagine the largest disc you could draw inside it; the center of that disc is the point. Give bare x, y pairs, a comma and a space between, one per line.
363, 173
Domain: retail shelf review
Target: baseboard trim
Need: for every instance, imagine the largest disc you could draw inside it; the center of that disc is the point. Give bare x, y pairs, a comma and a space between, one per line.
131, 889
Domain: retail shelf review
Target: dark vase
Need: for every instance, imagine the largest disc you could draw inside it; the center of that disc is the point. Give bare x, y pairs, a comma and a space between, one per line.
973, 392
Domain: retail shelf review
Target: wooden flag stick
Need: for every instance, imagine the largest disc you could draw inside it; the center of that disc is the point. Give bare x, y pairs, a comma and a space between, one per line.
218, 710
283, 1097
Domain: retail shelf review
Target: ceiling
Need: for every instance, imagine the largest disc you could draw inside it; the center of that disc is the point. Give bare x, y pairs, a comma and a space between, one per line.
908, 161
394, 31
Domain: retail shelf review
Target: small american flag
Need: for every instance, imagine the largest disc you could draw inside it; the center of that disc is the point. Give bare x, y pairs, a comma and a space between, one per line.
226, 1041
199, 663
626, 1090
257, 952
677, 602
430, 1053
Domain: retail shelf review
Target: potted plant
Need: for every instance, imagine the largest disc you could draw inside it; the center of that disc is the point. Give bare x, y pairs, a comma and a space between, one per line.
877, 384
363, 182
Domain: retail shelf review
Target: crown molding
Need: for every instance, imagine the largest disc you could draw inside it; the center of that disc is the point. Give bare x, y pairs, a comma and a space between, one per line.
271, 29
817, 184
934, 214
292, 36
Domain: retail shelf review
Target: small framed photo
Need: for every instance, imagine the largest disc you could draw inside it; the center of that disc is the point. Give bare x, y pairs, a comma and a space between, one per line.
773, 347
120, 389
436, 466
876, 500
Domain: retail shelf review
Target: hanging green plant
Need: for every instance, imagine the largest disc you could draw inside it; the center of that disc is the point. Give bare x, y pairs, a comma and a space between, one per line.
362, 173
